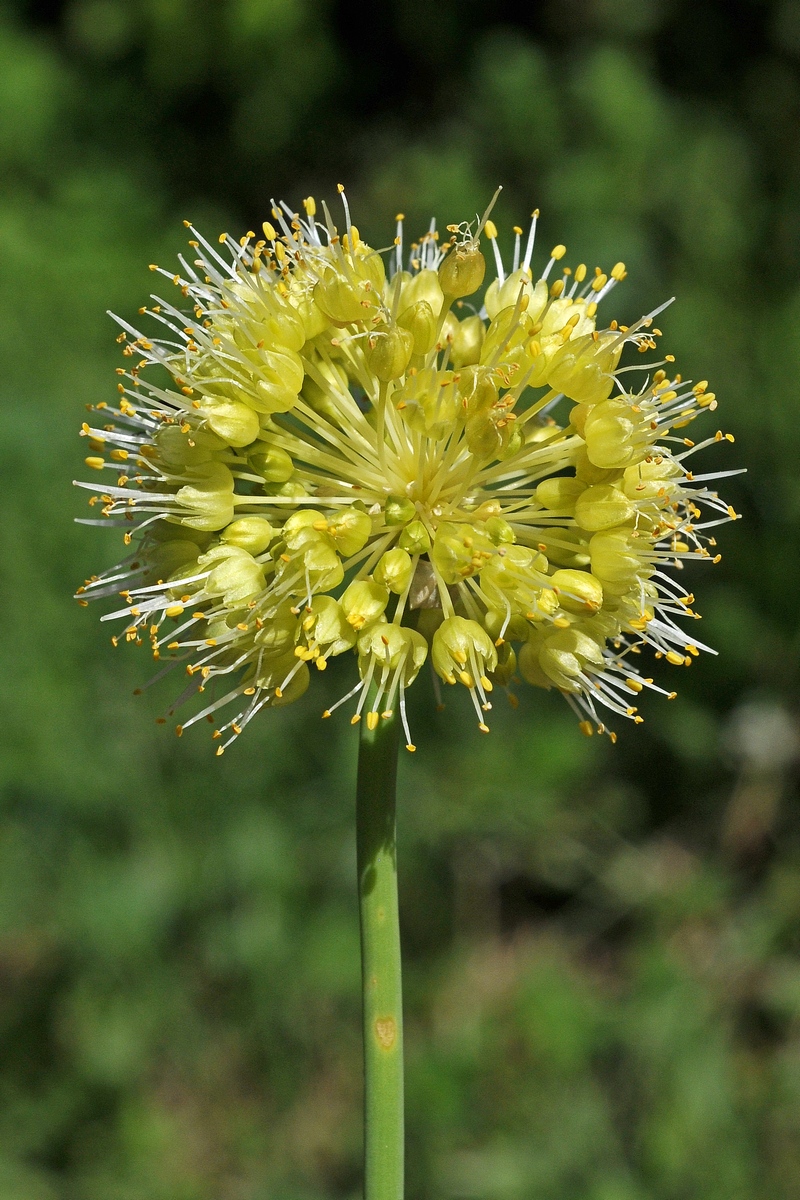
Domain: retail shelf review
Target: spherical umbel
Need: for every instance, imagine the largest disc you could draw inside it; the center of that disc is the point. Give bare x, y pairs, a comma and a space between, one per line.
329, 452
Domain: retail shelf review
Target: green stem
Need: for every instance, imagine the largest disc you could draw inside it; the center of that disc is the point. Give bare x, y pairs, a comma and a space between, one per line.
380, 960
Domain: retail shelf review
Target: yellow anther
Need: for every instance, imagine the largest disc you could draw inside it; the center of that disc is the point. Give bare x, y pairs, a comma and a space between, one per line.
618, 271
269, 231
672, 656
174, 610
490, 229
95, 463
558, 252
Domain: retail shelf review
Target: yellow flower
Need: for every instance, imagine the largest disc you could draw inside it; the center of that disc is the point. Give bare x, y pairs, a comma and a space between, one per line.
327, 452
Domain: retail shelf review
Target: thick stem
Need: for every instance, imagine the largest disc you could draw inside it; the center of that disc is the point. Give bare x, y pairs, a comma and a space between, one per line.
380, 960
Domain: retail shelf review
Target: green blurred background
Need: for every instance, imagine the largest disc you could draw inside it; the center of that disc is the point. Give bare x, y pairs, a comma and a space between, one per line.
601, 943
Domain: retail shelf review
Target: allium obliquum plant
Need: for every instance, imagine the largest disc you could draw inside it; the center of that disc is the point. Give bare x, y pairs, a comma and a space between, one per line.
323, 449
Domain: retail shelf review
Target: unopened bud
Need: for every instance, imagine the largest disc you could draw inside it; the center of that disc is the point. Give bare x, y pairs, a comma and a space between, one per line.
415, 538
398, 510
253, 534
272, 463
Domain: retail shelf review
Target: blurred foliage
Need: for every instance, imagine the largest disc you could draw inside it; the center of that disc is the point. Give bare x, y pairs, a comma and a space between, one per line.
602, 973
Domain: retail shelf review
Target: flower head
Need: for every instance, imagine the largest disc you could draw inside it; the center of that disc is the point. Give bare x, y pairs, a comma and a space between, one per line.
326, 452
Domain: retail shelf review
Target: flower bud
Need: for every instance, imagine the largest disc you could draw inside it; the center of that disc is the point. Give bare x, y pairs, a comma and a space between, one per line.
391, 352
279, 324
313, 319
430, 402
208, 497
415, 538
274, 464
463, 651
560, 494
398, 510
468, 338
394, 570
420, 321
363, 602
321, 396
462, 271
253, 534
566, 655
293, 488
500, 532
578, 591
602, 507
